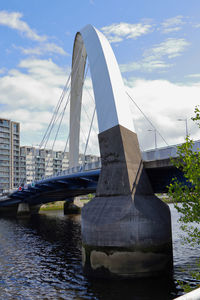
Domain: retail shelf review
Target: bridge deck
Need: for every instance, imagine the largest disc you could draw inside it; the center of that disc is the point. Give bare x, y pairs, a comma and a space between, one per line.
83, 180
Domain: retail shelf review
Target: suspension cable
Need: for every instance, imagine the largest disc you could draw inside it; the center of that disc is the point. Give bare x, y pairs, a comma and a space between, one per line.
49, 128
147, 118
73, 121
76, 106
53, 120
89, 133
86, 110
55, 113
62, 115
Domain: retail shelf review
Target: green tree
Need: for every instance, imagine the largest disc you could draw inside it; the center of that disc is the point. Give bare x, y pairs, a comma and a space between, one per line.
186, 195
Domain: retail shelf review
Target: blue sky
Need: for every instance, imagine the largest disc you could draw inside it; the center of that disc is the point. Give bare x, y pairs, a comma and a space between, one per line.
156, 44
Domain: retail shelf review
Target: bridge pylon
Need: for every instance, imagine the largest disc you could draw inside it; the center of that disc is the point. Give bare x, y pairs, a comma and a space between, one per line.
126, 229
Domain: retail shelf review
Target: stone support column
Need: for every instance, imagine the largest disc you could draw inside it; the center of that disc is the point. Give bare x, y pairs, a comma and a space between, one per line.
23, 209
70, 207
126, 229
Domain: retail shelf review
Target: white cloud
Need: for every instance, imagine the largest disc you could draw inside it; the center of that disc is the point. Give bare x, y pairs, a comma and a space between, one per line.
145, 66
196, 25
45, 48
171, 29
170, 48
13, 20
36, 88
29, 95
154, 57
45, 71
32, 120
2, 70
117, 32
194, 76
163, 102
172, 24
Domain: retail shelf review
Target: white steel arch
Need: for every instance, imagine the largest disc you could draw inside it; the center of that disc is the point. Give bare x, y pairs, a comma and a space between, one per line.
110, 97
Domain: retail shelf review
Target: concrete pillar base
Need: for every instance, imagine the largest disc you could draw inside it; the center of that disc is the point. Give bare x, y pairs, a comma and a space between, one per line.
126, 238
23, 210
126, 229
35, 209
71, 208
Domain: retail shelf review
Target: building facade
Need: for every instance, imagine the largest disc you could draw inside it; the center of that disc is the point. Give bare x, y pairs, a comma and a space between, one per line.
9, 154
36, 164
26, 164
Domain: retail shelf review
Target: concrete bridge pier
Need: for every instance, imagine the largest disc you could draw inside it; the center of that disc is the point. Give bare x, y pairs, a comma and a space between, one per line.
70, 207
126, 229
24, 209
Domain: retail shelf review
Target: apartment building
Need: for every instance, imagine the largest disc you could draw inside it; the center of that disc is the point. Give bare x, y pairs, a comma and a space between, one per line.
26, 164
38, 163
9, 154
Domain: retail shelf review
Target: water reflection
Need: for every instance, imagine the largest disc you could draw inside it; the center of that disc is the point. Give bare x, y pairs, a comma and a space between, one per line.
40, 258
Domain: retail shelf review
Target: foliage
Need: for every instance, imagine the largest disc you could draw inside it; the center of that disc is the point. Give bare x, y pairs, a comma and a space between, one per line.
186, 195
90, 196
52, 206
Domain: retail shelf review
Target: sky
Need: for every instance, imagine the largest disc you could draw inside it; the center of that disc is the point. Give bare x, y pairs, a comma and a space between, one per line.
157, 47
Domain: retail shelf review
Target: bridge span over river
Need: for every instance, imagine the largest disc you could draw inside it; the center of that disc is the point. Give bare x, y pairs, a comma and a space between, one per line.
82, 180
126, 228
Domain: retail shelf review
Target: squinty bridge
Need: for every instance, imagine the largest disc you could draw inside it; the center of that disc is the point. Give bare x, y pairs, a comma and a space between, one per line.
126, 229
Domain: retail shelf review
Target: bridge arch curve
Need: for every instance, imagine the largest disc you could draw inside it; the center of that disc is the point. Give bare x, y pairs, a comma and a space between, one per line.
110, 97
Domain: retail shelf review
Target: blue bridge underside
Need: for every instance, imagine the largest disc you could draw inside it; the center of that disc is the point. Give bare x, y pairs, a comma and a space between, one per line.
83, 183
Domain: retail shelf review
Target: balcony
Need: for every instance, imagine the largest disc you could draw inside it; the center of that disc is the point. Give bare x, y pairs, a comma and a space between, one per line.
41, 167
4, 169
4, 135
4, 129
5, 123
4, 164
4, 140
4, 147
5, 152
4, 174
4, 158
4, 180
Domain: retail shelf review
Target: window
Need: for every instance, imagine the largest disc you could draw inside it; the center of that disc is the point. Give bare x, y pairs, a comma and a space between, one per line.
4, 122
16, 127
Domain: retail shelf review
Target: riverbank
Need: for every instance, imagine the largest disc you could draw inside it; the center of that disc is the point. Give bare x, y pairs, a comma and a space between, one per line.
165, 198
59, 205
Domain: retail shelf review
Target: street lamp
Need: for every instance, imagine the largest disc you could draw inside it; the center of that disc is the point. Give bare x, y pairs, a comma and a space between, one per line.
186, 125
155, 137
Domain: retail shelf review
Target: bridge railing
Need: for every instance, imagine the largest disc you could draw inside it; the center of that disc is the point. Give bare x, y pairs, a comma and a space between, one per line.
165, 152
81, 168
161, 153
149, 155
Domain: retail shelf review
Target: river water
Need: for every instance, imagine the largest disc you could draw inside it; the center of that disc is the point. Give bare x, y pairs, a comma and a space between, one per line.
40, 258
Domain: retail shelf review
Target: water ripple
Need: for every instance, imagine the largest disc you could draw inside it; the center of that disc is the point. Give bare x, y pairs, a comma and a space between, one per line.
40, 258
